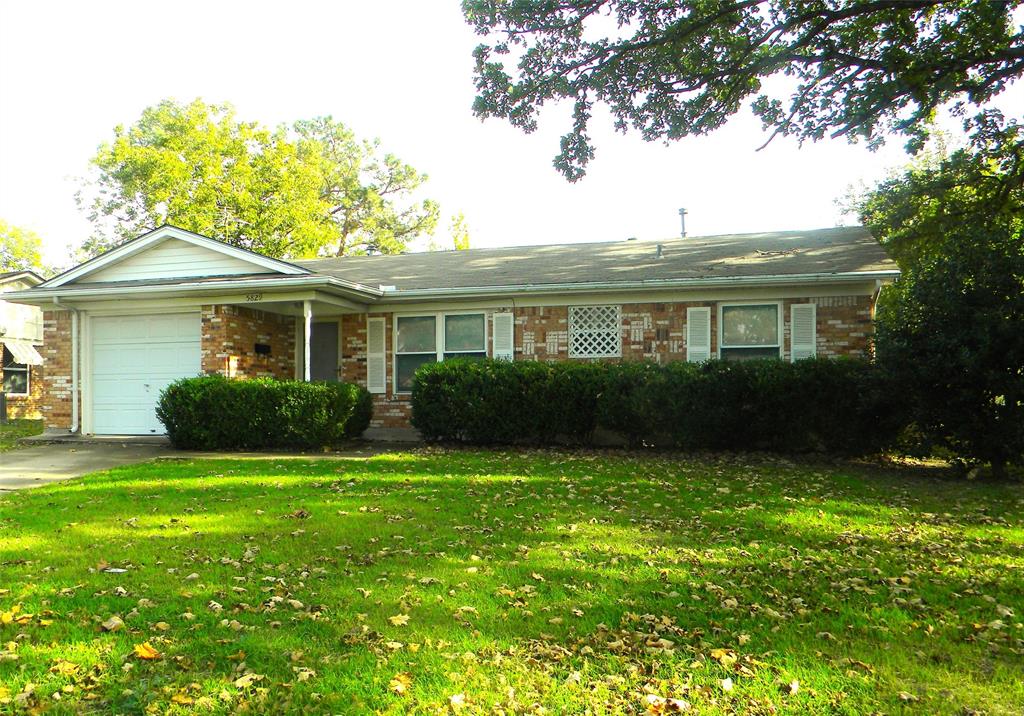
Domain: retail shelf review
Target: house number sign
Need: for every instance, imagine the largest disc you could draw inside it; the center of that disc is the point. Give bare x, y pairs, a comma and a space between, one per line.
253, 297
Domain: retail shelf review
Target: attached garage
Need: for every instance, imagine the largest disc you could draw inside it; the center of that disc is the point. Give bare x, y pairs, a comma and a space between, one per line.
132, 359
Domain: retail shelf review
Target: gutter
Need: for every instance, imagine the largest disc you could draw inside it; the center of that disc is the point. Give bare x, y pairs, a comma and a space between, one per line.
681, 283
45, 295
371, 295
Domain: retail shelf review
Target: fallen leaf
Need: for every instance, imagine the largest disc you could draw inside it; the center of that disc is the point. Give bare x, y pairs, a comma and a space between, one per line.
244, 682
146, 651
400, 683
113, 624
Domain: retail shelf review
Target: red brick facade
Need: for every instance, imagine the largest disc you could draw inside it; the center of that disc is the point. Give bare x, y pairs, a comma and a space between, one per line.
55, 403
657, 331
650, 331
229, 338
391, 409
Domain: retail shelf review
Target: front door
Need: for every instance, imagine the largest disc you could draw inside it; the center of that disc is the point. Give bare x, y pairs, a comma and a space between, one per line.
323, 351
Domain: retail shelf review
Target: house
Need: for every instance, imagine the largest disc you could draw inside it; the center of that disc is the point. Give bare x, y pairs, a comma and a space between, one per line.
21, 331
171, 303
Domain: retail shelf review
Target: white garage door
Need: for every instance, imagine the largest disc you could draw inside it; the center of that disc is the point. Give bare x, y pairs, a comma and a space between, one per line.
134, 358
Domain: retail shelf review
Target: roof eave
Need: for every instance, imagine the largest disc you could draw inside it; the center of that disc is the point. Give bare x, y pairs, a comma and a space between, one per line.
652, 284
46, 296
21, 276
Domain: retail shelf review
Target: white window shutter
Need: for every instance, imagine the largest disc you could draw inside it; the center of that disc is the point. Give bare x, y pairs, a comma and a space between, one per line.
698, 334
802, 331
376, 356
504, 327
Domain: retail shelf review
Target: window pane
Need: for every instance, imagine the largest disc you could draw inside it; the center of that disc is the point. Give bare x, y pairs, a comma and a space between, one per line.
749, 353
15, 381
750, 325
405, 368
464, 333
416, 334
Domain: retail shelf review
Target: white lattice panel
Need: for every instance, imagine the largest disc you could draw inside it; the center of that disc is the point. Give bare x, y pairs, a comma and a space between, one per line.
595, 332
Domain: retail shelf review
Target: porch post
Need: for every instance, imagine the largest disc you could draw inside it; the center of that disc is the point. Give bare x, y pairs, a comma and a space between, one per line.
307, 315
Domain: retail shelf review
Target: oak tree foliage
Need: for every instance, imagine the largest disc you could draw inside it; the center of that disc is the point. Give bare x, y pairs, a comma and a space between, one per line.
312, 189
19, 249
859, 69
949, 330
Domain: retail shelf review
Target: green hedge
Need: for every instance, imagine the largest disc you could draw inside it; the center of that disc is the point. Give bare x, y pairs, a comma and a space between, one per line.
214, 413
491, 401
838, 406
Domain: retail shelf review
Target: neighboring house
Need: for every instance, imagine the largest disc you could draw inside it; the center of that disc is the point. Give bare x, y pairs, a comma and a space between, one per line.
21, 331
172, 303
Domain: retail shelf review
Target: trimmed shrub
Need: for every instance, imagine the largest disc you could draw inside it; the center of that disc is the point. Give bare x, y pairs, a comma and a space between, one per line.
838, 406
362, 411
493, 401
215, 413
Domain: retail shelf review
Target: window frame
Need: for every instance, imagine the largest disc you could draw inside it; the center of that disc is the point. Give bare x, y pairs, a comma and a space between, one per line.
439, 336
618, 332
18, 367
734, 304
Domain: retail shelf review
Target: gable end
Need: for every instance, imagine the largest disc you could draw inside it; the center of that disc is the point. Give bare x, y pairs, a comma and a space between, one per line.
169, 253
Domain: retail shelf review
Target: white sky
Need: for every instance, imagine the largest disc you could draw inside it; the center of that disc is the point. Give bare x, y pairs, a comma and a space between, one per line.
400, 70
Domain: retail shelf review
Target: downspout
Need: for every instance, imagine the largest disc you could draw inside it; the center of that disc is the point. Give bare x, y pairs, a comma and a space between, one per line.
74, 362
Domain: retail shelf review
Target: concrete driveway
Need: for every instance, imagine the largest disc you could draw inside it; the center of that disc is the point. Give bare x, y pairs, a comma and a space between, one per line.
41, 464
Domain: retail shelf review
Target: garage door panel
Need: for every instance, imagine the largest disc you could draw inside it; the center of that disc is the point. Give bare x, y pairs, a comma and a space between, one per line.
133, 359
174, 330
111, 421
117, 359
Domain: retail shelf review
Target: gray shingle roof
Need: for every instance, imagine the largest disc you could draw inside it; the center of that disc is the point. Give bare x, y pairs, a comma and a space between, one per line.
834, 250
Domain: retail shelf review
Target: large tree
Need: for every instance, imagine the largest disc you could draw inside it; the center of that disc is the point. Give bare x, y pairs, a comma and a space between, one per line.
858, 68
950, 328
313, 189
19, 249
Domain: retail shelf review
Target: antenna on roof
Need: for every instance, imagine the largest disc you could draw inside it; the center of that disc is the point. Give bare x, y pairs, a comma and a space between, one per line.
682, 223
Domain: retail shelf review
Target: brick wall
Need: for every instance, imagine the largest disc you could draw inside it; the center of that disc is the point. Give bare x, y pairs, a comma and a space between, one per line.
845, 326
27, 406
55, 402
657, 331
390, 410
229, 337
650, 331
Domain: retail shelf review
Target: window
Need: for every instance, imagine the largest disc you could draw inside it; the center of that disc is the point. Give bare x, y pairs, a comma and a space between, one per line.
749, 331
15, 375
465, 336
595, 332
435, 337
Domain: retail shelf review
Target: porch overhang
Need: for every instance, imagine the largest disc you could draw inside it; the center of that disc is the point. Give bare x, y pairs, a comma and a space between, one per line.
341, 294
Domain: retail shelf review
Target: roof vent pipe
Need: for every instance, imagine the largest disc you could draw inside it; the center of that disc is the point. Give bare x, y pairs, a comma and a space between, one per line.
682, 223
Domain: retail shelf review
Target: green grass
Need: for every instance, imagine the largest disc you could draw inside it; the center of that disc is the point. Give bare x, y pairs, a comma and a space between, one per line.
575, 583
14, 430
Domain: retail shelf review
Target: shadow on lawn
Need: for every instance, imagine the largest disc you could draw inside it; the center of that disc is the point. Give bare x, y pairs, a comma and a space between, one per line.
611, 552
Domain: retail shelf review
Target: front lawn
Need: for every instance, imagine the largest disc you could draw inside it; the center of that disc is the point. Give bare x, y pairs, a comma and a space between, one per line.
499, 582
14, 430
